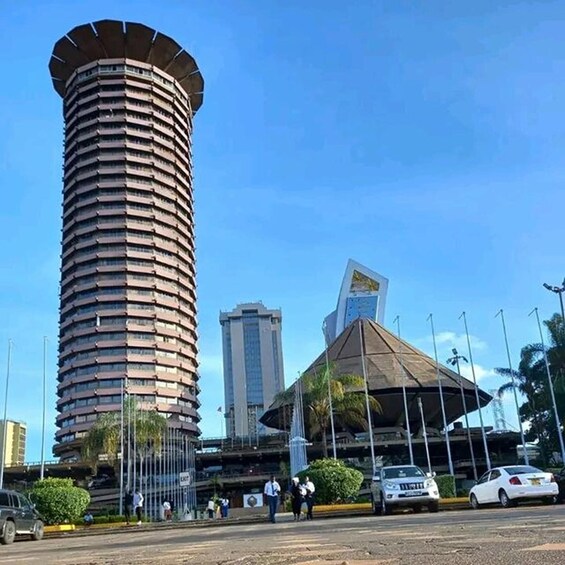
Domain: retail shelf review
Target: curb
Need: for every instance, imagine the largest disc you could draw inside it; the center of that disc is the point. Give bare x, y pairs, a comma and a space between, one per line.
323, 512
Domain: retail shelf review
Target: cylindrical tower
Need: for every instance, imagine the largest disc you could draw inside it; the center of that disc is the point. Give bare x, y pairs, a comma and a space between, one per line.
128, 289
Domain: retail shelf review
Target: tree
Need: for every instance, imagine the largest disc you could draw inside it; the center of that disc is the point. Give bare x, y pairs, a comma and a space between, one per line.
334, 481
143, 430
58, 501
530, 380
349, 405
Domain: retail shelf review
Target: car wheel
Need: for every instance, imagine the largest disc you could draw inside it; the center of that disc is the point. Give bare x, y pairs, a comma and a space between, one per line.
474, 502
38, 530
505, 500
417, 509
433, 506
386, 510
9, 533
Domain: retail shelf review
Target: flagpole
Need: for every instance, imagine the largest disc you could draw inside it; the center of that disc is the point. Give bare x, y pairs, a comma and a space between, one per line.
324, 329
425, 433
550, 382
440, 387
485, 444
44, 408
121, 504
404, 396
5, 430
368, 406
526, 457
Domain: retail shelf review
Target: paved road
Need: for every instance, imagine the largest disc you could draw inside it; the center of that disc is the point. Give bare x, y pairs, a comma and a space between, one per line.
524, 535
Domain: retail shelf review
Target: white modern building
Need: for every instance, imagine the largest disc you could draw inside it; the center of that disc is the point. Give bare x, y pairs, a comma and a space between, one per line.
362, 295
253, 366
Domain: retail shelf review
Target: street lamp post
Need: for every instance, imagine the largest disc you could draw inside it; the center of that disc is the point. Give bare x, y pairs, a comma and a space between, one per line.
42, 470
425, 434
368, 406
554, 403
454, 361
559, 290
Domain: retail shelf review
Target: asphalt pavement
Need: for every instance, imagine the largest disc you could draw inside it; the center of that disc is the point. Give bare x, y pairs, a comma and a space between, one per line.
523, 535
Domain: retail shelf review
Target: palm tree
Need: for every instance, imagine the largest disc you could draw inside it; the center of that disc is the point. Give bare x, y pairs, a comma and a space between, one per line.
104, 438
348, 403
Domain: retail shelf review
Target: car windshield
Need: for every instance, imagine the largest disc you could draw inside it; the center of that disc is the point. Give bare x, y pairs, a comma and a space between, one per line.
521, 470
402, 472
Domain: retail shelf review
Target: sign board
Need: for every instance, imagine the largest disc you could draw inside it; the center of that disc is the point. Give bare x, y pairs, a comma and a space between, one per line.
185, 479
252, 500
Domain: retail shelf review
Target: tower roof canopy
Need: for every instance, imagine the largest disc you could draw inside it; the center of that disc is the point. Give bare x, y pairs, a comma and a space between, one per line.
390, 363
111, 39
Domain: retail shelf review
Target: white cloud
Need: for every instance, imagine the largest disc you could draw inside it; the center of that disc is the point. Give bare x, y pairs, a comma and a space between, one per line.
459, 341
481, 372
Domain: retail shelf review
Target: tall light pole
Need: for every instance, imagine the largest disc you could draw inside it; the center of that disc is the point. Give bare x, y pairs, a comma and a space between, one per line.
558, 290
325, 331
485, 444
514, 387
5, 430
550, 382
368, 405
404, 397
42, 470
455, 362
440, 387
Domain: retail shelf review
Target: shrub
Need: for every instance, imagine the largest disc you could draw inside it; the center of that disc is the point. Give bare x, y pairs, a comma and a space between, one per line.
58, 501
446, 486
334, 481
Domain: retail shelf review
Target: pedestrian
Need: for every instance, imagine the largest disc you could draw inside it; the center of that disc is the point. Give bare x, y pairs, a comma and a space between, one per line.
88, 519
271, 491
138, 505
224, 506
167, 511
128, 506
296, 498
310, 490
211, 509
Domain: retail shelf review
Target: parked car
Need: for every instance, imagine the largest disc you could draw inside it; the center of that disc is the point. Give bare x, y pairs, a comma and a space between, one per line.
403, 486
18, 517
512, 484
102, 481
560, 478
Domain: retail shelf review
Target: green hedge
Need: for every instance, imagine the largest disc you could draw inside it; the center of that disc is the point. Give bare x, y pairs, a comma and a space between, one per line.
446, 486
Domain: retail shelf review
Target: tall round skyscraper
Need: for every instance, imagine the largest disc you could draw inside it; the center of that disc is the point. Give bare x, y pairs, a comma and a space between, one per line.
128, 290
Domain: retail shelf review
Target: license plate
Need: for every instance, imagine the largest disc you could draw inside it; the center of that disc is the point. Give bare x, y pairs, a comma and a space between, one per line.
535, 481
415, 493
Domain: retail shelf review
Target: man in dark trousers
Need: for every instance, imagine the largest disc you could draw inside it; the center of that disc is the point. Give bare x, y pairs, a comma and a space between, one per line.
271, 492
128, 506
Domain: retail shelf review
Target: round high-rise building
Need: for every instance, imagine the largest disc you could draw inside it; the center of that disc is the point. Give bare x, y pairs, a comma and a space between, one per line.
128, 289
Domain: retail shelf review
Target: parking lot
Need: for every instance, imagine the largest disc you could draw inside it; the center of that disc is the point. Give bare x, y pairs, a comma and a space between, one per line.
532, 534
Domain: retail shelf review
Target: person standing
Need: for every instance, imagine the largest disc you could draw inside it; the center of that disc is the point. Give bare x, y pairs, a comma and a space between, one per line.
310, 490
128, 506
271, 491
138, 505
224, 506
297, 498
167, 511
211, 509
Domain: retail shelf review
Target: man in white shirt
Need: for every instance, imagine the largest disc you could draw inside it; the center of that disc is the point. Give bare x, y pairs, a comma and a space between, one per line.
271, 492
309, 498
138, 505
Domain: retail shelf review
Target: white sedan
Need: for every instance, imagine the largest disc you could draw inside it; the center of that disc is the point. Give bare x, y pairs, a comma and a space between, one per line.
513, 483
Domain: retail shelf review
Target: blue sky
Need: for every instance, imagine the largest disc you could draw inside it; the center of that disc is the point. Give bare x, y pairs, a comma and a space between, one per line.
424, 140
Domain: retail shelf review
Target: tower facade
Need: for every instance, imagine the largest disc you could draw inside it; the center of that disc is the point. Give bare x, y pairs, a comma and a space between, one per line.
362, 295
253, 366
128, 290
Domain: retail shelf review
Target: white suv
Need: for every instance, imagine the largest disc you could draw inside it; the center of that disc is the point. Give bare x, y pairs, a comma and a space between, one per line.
403, 486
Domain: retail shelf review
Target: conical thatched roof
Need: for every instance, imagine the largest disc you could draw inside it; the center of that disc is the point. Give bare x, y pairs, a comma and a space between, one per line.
389, 362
